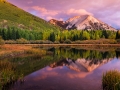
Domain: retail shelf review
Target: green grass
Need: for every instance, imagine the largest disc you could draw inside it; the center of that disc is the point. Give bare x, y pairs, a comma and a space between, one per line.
10, 71
99, 41
7, 73
111, 80
11, 15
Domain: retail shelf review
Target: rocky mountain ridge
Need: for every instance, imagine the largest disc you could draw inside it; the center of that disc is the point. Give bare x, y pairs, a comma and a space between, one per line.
57, 23
83, 22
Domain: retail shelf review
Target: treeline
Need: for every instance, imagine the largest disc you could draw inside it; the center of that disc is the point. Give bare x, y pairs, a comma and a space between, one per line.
93, 55
73, 35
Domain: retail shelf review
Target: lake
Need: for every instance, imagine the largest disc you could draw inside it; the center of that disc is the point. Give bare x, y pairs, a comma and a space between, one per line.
64, 68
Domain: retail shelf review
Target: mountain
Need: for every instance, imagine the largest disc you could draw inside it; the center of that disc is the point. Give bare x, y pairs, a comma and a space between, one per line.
86, 22
81, 65
11, 15
92, 66
57, 23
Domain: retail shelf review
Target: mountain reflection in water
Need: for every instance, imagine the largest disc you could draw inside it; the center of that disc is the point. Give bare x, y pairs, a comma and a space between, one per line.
71, 69
80, 64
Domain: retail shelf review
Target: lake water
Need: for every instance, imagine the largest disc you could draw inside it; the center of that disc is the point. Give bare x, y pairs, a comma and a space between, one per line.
66, 69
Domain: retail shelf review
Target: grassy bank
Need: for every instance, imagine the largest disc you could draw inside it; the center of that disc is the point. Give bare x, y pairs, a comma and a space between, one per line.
9, 70
7, 73
100, 47
99, 41
111, 45
111, 80
12, 50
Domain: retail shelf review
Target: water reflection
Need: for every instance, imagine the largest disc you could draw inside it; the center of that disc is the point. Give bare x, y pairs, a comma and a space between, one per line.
80, 59
80, 64
59, 78
68, 69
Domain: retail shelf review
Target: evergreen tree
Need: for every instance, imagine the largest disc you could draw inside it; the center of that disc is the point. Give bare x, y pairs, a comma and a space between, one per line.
41, 36
118, 34
52, 37
17, 35
4, 34
13, 34
9, 34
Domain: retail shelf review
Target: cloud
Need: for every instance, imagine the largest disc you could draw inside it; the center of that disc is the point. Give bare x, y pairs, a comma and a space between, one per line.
78, 12
49, 17
44, 11
113, 21
105, 10
39, 9
59, 15
30, 2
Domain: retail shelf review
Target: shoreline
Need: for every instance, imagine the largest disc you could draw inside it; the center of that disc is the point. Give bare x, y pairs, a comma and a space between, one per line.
12, 50
116, 45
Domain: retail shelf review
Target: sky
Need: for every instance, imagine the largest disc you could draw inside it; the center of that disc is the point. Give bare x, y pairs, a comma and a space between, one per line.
107, 11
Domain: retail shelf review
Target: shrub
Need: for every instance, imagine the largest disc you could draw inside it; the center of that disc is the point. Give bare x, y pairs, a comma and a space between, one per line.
36, 42
111, 80
78, 42
41, 42
56, 42
22, 41
118, 41
100, 41
1, 41
47, 42
67, 41
10, 42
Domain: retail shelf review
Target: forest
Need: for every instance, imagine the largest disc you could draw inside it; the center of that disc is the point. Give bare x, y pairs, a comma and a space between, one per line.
13, 33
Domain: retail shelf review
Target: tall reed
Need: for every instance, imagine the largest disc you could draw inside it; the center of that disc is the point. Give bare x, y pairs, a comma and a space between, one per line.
7, 73
111, 80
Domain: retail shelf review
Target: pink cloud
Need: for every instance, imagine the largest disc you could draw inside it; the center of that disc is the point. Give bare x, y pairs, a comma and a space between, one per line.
30, 2
54, 14
64, 9
44, 75
39, 8
78, 12
78, 75
44, 11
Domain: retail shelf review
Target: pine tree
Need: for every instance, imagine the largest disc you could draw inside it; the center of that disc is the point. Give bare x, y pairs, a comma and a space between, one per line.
52, 37
4, 34
118, 34
9, 33
17, 35
13, 34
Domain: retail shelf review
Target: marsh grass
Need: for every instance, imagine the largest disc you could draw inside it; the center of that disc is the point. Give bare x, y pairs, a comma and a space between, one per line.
9, 51
37, 53
12, 50
7, 73
100, 41
111, 80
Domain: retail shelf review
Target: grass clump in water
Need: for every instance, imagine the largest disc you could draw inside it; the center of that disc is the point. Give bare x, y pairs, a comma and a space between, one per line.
7, 73
35, 52
111, 80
